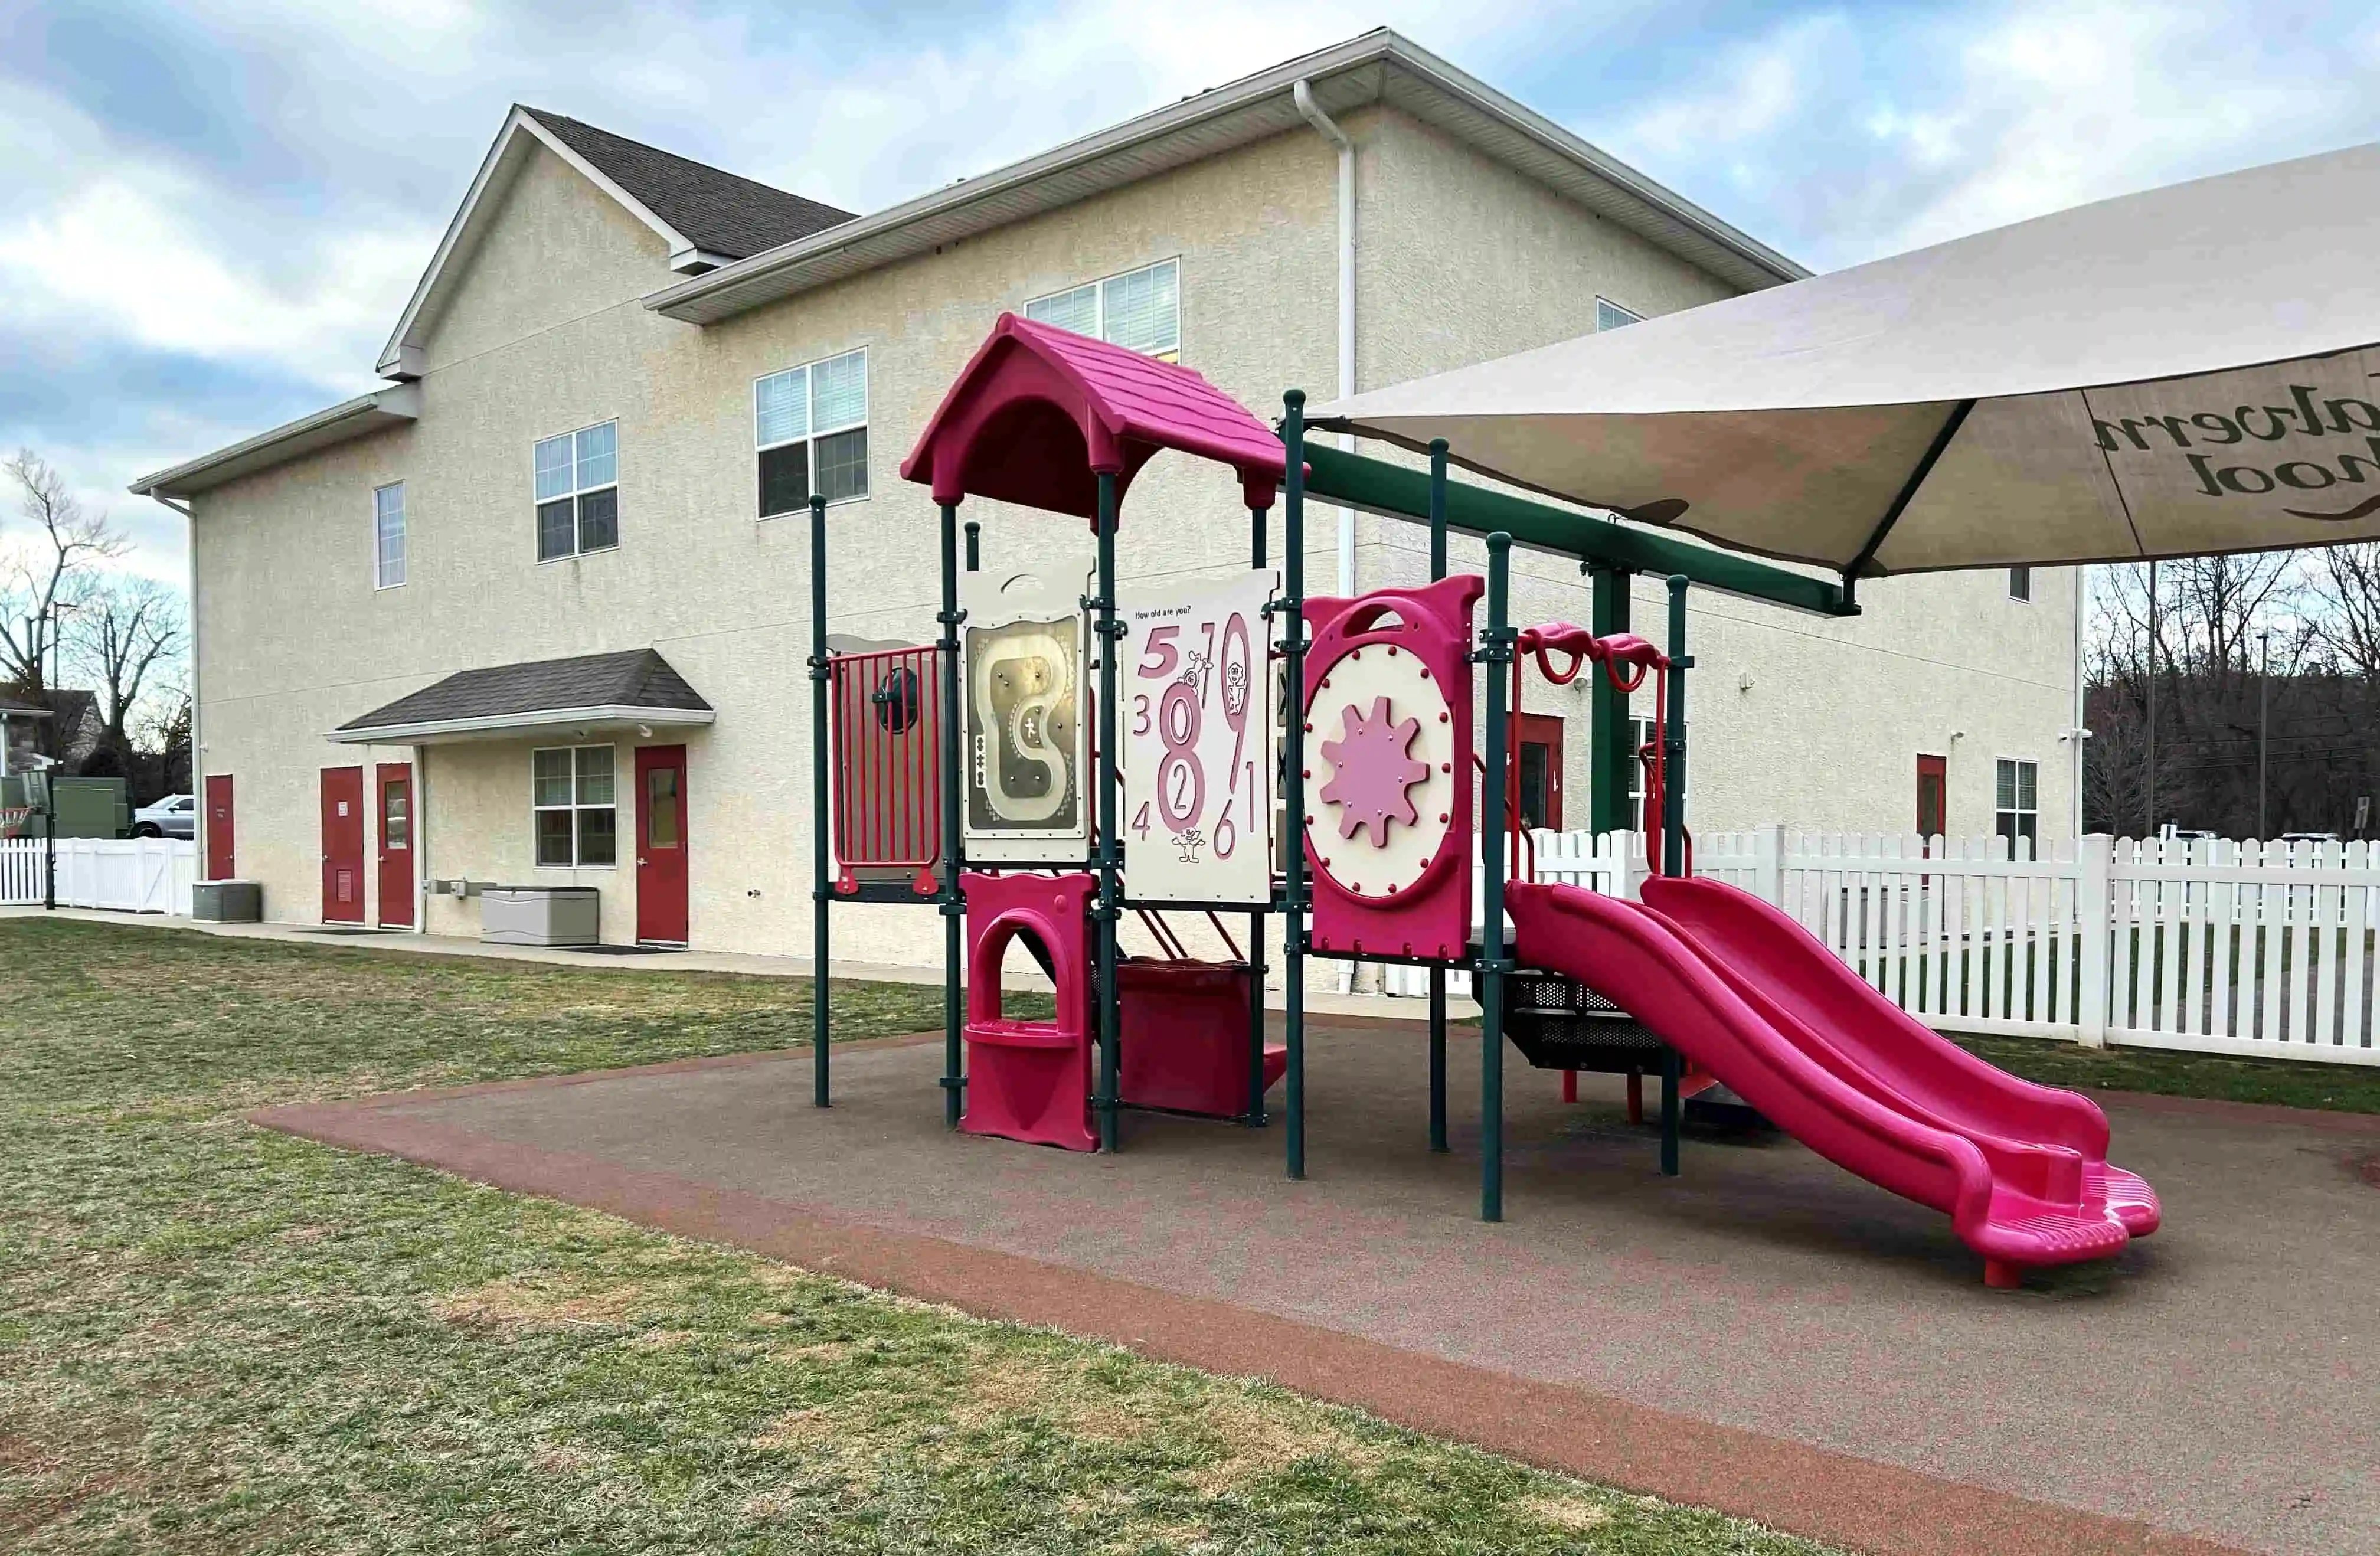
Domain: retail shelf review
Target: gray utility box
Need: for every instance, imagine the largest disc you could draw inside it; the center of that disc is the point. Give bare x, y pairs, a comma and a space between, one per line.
227, 902
540, 915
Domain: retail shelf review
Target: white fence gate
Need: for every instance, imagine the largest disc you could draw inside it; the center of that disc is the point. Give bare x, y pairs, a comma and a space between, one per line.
2264, 950
131, 875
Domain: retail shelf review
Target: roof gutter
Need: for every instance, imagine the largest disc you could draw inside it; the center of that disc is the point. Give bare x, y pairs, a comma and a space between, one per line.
1302, 93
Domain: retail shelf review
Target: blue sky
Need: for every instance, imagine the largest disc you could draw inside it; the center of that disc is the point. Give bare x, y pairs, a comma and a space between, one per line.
211, 214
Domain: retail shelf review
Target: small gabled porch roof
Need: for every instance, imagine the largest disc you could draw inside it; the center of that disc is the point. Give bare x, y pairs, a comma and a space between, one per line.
587, 693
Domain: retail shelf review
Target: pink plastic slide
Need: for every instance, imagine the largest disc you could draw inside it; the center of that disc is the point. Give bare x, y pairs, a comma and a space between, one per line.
1745, 993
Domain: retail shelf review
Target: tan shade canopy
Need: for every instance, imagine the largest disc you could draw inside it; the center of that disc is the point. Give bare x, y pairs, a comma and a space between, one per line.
2192, 369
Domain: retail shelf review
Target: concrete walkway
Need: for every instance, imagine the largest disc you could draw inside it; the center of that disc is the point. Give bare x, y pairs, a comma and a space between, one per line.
1018, 975
1766, 1334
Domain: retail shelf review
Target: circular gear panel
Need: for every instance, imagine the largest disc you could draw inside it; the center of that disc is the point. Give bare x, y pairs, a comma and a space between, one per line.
1379, 772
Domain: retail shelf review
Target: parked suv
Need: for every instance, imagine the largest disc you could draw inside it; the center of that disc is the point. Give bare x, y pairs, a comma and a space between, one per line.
172, 816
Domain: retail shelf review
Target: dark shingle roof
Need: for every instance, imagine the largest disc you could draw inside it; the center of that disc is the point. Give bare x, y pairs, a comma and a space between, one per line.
636, 678
717, 211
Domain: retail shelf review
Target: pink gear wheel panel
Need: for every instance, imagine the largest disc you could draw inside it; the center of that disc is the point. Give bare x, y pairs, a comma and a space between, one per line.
1374, 775
1388, 692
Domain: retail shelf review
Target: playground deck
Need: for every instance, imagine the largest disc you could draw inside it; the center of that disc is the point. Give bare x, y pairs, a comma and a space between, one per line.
1766, 1334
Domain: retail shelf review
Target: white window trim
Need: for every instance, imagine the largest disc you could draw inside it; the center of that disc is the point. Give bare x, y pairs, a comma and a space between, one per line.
535, 503
1999, 810
1099, 285
1602, 302
867, 416
574, 807
1654, 725
404, 537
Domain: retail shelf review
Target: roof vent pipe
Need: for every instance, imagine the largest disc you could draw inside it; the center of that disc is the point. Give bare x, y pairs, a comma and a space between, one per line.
1301, 93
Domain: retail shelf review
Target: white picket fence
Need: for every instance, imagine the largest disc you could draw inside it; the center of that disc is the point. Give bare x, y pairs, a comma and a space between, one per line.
2204, 946
130, 875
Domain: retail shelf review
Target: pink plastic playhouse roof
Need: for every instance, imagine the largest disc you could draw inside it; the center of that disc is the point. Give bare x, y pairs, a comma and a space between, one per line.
1040, 411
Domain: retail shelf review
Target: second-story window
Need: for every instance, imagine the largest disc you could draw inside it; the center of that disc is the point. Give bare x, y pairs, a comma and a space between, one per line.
1140, 309
2020, 583
578, 491
388, 535
809, 425
1610, 315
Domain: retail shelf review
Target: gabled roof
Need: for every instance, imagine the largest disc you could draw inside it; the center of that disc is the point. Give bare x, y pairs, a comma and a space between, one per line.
1039, 410
634, 685
717, 211
708, 218
1381, 66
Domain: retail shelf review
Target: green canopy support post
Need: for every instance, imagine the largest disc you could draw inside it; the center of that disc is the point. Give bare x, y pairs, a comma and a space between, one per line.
1292, 647
1257, 518
1611, 749
974, 546
1437, 974
954, 901
1673, 830
821, 886
1495, 652
1110, 906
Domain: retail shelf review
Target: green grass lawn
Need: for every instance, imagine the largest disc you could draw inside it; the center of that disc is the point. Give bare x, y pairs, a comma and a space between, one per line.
2296, 1083
217, 1338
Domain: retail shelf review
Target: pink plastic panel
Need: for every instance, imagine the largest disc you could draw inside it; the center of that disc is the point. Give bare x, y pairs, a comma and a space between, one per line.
1029, 1080
1430, 914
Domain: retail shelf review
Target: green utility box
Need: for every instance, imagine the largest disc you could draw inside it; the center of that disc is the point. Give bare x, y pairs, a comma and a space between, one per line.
86, 807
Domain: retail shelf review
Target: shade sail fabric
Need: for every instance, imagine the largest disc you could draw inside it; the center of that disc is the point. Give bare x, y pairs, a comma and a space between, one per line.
2192, 369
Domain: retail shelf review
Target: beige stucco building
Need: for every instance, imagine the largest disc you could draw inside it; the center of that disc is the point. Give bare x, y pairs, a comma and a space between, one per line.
618, 362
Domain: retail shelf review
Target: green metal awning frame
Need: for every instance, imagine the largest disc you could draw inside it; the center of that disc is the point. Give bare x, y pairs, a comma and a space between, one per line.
1399, 492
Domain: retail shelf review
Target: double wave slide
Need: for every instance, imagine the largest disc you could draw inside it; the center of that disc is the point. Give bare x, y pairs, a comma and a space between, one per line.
1748, 995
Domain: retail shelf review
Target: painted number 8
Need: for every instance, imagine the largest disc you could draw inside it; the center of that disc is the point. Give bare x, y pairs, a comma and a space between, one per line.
1181, 782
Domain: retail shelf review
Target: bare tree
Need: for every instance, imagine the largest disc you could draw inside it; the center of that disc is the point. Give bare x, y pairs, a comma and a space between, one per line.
2347, 581
45, 575
123, 636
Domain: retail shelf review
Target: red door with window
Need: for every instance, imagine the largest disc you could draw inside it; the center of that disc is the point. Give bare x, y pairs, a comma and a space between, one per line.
1540, 759
343, 846
395, 782
661, 844
220, 857
1932, 787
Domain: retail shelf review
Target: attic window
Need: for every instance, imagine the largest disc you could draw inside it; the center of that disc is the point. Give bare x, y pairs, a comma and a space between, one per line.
1140, 309
1610, 315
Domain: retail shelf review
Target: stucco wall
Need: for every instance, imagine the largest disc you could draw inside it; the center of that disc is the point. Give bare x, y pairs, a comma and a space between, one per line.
1460, 260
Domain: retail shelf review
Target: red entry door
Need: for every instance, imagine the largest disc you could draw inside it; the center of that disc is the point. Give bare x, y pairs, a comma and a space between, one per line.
1540, 760
395, 782
343, 846
220, 857
1933, 786
660, 844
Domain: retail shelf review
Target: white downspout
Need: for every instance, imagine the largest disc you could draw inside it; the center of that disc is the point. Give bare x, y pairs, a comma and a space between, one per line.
1301, 93
2079, 732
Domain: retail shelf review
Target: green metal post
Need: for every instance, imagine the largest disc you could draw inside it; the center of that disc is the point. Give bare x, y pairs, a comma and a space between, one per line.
954, 901
1437, 975
1109, 907
1293, 895
1495, 653
1260, 685
1611, 755
821, 888
1670, 1111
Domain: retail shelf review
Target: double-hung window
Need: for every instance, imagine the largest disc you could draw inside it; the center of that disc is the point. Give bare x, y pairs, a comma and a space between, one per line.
2017, 813
1140, 309
388, 535
810, 426
576, 812
578, 491
1610, 315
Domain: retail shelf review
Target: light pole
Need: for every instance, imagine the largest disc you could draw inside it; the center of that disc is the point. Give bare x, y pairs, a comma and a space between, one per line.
2263, 721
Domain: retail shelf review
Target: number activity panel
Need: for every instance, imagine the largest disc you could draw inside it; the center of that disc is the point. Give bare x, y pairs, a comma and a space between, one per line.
1198, 722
